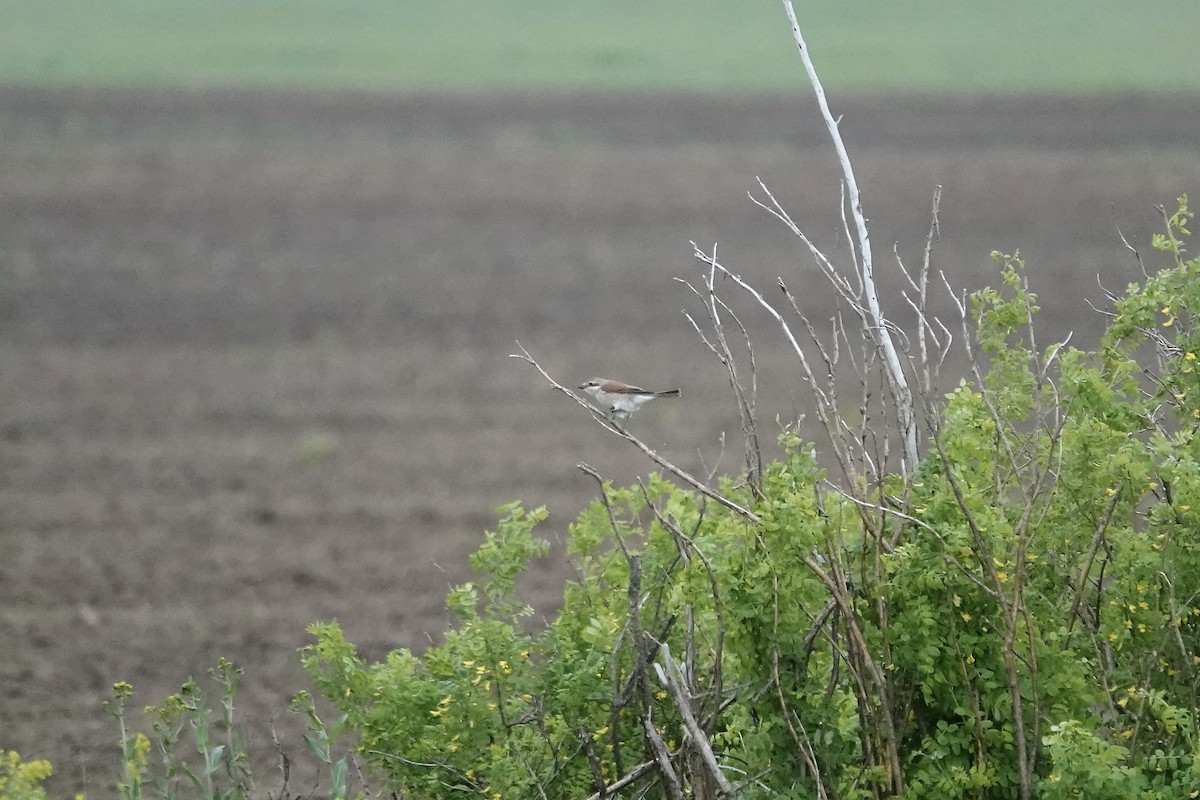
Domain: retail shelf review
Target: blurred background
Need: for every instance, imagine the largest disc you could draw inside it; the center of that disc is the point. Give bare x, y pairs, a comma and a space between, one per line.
262, 264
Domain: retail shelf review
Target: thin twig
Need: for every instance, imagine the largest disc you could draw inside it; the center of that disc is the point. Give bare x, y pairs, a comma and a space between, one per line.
618, 429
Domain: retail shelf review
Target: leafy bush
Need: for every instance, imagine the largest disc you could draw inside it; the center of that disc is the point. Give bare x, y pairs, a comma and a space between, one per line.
1016, 616
22, 780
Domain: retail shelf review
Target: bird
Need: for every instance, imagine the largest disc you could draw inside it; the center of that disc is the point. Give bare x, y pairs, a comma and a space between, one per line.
619, 400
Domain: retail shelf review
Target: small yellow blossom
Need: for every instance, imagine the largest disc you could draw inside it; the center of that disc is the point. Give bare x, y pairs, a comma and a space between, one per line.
966, 617
1190, 357
1112, 637
470, 662
596, 736
970, 658
1110, 491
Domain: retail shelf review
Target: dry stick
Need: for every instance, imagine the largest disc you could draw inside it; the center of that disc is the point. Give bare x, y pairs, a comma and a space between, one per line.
835, 278
807, 752
681, 539
585, 739
635, 774
825, 411
1086, 569
684, 705
638, 443
895, 371
641, 676
746, 404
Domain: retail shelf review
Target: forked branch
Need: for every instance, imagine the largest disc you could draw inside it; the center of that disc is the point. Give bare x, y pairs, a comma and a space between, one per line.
879, 328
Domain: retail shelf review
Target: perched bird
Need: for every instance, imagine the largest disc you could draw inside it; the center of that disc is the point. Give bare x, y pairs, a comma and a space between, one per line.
619, 400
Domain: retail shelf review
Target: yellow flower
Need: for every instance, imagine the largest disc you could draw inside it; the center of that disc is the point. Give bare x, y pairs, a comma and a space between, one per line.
970, 658
966, 617
1190, 357
596, 736
1112, 637
470, 662
528, 698
1110, 491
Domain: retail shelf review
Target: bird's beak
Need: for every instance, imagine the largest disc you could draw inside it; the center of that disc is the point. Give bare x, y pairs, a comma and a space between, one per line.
582, 386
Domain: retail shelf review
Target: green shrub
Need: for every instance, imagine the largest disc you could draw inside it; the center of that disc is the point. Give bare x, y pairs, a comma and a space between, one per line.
22, 780
1019, 616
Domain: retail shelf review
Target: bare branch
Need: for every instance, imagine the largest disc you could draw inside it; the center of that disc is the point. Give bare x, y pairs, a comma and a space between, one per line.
683, 704
638, 443
895, 371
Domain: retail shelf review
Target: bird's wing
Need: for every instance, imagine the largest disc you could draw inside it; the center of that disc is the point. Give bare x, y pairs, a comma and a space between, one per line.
616, 387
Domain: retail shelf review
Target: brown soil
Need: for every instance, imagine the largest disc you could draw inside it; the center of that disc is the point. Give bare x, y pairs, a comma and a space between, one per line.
254, 345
